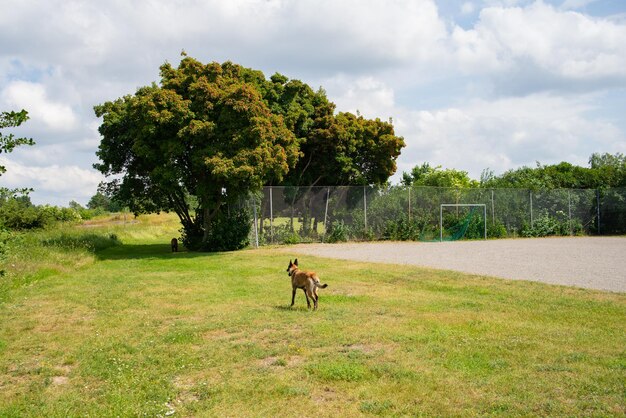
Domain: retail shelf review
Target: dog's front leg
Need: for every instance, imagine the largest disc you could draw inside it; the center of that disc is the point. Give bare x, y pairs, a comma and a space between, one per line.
293, 296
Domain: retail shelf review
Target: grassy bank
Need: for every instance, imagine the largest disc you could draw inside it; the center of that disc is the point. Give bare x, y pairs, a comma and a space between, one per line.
131, 329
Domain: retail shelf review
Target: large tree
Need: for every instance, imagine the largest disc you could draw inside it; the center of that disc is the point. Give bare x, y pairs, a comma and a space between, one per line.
205, 132
215, 132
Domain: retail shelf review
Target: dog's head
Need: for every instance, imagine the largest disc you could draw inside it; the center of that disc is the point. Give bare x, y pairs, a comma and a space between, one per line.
292, 266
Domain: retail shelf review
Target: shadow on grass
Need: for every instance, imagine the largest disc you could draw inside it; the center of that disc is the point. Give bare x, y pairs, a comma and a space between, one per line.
147, 251
291, 308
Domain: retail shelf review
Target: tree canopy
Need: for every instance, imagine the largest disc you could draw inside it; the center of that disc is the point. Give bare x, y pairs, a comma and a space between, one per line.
605, 170
426, 175
209, 134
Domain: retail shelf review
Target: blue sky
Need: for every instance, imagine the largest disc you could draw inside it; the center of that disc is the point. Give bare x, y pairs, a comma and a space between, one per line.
471, 85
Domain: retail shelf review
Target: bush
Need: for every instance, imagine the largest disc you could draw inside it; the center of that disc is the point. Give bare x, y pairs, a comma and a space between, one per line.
229, 231
497, 230
401, 229
546, 225
339, 232
19, 214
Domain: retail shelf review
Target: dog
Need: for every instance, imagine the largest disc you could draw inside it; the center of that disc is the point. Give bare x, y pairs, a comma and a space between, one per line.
174, 245
308, 281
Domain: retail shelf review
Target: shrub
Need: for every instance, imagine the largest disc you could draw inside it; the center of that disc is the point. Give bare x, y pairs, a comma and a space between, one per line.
496, 230
339, 232
546, 225
229, 231
401, 229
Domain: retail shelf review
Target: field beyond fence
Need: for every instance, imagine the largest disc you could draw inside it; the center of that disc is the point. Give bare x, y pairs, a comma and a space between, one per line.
342, 213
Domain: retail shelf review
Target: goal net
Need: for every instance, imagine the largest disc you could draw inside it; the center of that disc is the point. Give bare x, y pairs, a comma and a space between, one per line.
454, 224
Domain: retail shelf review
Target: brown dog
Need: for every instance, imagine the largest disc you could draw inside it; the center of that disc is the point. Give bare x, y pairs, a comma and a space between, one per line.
305, 280
174, 245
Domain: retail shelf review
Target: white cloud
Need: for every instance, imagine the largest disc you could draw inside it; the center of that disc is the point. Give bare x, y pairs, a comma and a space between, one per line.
53, 115
370, 96
54, 183
508, 133
542, 40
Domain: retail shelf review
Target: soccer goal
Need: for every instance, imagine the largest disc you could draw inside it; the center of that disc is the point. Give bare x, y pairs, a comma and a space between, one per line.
463, 225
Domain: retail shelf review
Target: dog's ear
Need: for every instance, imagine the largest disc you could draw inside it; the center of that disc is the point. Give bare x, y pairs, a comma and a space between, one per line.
290, 263
296, 262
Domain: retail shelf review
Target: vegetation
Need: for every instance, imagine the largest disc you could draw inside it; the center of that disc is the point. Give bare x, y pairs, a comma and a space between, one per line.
209, 135
604, 171
106, 321
8, 142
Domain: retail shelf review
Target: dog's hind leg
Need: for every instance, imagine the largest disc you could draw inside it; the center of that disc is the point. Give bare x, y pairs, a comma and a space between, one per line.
308, 302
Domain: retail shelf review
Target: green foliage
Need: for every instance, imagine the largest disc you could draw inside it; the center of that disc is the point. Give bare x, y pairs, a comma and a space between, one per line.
100, 203
496, 230
546, 225
205, 132
402, 229
604, 171
19, 213
425, 175
228, 231
9, 142
338, 232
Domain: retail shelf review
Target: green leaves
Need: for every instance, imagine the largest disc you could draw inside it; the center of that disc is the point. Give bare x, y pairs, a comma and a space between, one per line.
9, 120
205, 132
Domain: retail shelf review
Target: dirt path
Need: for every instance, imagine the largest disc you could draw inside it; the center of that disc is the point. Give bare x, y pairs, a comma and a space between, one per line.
589, 262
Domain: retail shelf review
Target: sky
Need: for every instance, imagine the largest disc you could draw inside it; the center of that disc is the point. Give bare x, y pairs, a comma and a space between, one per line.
470, 85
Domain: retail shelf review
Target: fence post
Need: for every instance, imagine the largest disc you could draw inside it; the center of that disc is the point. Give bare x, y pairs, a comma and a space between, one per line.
485, 215
598, 198
256, 231
569, 208
493, 210
326, 214
365, 207
271, 216
440, 222
531, 208
409, 204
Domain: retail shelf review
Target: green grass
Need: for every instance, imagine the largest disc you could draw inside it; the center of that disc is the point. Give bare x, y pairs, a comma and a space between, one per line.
126, 328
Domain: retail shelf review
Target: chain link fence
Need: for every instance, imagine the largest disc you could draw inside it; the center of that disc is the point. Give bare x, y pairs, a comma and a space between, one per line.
343, 213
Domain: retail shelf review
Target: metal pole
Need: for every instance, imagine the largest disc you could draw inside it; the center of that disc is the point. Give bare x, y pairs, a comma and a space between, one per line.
493, 209
256, 231
569, 207
598, 198
409, 203
326, 213
271, 216
365, 207
485, 214
531, 208
440, 223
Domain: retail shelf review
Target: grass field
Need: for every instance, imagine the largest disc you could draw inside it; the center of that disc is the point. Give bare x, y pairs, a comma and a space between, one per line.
105, 321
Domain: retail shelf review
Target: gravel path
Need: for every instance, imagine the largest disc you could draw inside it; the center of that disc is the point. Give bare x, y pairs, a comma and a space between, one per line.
589, 262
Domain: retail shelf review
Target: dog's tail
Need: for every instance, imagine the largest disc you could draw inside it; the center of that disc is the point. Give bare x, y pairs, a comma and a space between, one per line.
321, 286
